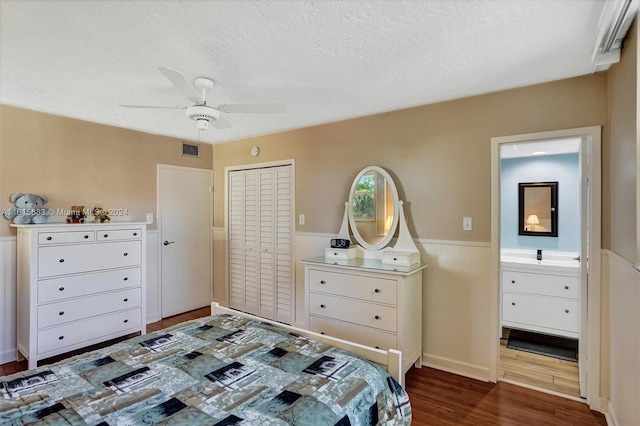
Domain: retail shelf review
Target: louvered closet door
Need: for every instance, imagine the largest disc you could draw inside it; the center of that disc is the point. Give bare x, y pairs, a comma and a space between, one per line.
260, 242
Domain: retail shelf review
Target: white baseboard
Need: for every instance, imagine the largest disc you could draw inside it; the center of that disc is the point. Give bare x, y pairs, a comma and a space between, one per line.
456, 367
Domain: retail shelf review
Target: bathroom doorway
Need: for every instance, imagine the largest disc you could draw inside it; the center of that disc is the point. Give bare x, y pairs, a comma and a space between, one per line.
546, 326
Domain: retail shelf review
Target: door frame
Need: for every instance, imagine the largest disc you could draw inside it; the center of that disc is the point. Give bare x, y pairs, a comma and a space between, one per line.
230, 169
159, 222
592, 137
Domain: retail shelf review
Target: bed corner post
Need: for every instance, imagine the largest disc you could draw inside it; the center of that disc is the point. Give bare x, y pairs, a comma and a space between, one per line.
395, 366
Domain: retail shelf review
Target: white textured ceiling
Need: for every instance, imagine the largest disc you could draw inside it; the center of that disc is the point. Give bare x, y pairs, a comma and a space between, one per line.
327, 60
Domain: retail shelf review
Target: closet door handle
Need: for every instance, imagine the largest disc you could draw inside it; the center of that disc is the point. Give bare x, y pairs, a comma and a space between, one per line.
166, 243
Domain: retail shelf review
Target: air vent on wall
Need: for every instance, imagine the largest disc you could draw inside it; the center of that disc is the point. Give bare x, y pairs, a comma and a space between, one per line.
190, 150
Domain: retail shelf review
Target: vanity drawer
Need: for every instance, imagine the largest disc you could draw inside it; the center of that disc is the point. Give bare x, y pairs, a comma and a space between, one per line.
45, 238
339, 253
400, 258
99, 304
119, 234
61, 260
95, 328
55, 289
355, 311
541, 284
353, 333
541, 311
360, 287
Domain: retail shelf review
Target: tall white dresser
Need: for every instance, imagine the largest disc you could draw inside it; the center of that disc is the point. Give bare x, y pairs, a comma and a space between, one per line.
364, 301
78, 284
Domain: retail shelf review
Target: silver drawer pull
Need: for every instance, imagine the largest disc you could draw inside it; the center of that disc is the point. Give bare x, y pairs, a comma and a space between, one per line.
61, 260
61, 313
377, 290
513, 303
377, 317
126, 254
48, 238
126, 320
566, 311
61, 289
61, 337
322, 306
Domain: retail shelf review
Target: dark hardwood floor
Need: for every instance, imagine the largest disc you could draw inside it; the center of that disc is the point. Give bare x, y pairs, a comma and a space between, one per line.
443, 399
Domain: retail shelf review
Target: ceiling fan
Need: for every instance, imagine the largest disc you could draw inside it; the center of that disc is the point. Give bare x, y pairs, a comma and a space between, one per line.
202, 113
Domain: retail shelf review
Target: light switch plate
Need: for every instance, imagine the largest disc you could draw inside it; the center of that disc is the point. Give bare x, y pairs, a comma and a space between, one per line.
467, 224
301, 219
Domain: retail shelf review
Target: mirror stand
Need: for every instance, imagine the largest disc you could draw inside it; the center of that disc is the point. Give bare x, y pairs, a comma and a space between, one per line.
404, 252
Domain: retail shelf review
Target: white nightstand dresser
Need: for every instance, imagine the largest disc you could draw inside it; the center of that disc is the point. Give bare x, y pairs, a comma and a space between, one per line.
364, 301
78, 284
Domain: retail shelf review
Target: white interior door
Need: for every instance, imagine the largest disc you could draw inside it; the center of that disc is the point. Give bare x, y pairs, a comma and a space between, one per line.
185, 213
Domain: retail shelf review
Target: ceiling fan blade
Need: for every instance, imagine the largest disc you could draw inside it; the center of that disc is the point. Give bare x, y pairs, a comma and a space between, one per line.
153, 106
275, 107
180, 81
221, 123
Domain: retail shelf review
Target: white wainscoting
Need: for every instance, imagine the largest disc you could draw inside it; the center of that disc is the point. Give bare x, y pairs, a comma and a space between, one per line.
8, 292
153, 281
624, 313
7, 299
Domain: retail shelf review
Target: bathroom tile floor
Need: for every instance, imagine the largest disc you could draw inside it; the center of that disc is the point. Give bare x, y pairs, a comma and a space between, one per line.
538, 370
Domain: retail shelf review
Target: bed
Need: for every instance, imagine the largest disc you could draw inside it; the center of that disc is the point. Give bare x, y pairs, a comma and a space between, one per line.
226, 369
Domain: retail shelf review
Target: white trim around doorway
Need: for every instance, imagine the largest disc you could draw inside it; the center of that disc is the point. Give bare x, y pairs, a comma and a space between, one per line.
592, 135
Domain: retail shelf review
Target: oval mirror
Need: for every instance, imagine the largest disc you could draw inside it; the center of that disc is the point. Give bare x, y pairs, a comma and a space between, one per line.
373, 208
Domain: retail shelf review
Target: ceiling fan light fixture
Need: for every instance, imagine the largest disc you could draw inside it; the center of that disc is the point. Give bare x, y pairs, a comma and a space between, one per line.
202, 115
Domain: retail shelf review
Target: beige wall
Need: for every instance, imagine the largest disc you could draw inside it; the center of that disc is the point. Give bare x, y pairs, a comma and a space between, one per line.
76, 162
622, 162
438, 154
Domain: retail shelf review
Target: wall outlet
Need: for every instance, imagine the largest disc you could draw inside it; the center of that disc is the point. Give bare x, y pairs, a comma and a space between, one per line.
467, 224
301, 219
149, 217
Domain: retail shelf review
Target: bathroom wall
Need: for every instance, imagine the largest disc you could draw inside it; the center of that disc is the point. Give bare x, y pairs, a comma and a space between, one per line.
564, 169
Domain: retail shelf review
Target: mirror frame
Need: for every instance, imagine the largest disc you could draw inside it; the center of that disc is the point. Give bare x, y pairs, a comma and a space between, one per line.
396, 210
553, 207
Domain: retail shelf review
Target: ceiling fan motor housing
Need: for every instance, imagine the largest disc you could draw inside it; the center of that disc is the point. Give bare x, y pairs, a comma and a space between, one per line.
202, 115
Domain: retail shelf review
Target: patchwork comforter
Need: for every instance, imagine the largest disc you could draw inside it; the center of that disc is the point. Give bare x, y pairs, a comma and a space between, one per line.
217, 370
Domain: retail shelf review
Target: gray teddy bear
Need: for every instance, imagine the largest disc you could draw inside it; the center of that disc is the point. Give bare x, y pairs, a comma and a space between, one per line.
29, 209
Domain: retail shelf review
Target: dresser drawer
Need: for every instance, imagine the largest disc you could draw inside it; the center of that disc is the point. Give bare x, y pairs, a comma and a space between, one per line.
119, 234
360, 287
339, 253
353, 333
45, 238
93, 328
54, 289
400, 258
540, 311
61, 260
89, 306
541, 284
355, 311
